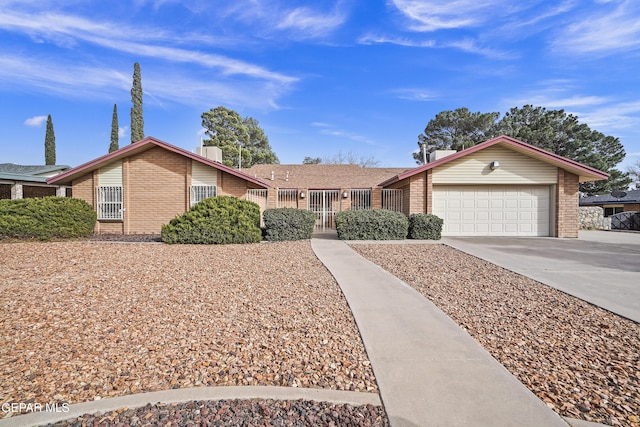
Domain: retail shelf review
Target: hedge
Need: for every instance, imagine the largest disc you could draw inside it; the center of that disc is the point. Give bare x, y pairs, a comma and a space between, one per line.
376, 224
45, 218
288, 224
425, 227
216, 220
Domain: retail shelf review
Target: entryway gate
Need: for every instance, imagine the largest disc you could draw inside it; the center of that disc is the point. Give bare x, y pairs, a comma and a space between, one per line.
325, 204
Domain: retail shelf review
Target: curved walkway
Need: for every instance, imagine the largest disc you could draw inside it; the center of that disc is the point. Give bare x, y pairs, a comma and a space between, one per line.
429, 371
191, 394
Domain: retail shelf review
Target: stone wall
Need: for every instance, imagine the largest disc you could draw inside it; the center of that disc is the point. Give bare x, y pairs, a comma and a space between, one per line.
592, 218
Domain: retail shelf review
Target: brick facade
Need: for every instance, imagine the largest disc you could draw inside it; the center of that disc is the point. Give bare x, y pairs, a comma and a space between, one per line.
567, 213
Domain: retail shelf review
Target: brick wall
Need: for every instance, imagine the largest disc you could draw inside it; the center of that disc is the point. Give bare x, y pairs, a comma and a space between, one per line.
567, 216
632, 207
37, 191
429, 192
5, 191
155, 189
229, 185
417, 189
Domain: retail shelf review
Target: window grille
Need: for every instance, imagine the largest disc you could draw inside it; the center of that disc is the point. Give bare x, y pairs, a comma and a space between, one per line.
287, 198
392, 199
201, 192
360, 199
109, 203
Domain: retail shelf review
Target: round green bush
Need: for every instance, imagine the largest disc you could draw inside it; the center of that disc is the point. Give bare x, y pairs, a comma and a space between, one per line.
46, 218
425, 227
376, 224
288, 224
216, 220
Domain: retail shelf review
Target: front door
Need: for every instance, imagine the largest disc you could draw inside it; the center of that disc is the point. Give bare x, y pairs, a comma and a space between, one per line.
325, 204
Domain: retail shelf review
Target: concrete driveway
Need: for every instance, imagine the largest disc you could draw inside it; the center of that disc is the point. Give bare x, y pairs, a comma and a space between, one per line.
600, 267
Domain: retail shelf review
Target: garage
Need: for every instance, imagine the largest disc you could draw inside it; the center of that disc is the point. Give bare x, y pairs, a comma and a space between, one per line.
493, 210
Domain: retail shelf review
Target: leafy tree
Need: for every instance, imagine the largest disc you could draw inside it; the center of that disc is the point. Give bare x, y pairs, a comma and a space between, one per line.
49, 143
259, 149
351, 158
455, 130
562, 134
114, 130
239, 139
311, 160
137, 121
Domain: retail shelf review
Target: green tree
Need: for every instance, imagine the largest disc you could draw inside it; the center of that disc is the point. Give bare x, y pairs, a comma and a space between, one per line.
137, 121
562, 134
114, 130
242, 141
312, 160
455, 130
260, 151
49, 143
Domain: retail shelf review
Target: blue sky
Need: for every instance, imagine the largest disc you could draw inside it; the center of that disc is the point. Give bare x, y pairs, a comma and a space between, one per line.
321, 77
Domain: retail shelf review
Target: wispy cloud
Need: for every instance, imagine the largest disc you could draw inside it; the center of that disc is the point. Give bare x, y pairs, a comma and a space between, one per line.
123, 131
311, 23
415, 94
368, 39
610, 28
328, 129
35, 121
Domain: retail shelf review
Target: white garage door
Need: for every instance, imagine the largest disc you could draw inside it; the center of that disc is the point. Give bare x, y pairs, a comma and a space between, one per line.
492, 210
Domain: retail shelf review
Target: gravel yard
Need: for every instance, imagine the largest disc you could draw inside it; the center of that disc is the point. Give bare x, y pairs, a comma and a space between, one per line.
581, 360
87, 320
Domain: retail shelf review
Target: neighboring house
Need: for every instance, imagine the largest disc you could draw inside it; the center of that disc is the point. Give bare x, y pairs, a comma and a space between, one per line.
143, 185
502, 187
22, 181
612, 205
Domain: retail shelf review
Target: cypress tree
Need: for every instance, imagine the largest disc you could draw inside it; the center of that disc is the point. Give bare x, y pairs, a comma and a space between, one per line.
137, 122
49, 144
114, 130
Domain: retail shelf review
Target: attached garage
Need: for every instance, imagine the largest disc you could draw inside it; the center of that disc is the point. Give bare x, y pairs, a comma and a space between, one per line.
493, 210
501, 187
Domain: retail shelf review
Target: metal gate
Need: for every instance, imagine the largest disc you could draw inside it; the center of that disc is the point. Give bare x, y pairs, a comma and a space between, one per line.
626, 221
325, 204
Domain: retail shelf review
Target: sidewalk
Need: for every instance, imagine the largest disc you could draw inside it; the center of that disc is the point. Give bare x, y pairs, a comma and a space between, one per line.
429, 371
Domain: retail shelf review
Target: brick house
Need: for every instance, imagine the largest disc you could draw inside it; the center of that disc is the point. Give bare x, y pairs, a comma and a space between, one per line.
502, 187
614, 203
24, 181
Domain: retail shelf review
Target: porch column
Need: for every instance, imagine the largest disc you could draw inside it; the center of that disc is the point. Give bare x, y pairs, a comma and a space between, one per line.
61, 191
16, 191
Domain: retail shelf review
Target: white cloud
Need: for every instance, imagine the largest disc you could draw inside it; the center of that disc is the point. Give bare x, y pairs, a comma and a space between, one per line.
328, 129
123, 131
35, 121
413, 94
311, 23
400, 41
608, 29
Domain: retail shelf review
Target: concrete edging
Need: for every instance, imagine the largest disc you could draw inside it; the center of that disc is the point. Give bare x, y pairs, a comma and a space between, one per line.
193, 394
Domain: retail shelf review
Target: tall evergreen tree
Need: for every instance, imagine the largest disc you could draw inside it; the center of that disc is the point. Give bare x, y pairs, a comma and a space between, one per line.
137, 121
114, 130
49, 144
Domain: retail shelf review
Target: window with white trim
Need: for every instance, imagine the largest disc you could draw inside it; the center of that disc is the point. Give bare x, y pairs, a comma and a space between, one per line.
109, 202
201, 192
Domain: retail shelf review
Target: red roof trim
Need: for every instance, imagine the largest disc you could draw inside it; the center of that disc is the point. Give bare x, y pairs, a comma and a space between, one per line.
498, 140
151, 140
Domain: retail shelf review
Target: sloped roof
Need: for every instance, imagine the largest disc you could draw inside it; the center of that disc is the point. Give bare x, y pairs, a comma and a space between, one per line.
13, 168
633, 196
138, 147
22, 177
584, 172
321, 176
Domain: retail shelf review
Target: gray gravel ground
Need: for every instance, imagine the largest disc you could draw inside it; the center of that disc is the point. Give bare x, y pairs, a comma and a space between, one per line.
81, 321
583, 361
247, 413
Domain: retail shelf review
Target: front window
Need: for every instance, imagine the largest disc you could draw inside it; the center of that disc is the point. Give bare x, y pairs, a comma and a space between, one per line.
201, 192
109, 203
612, 210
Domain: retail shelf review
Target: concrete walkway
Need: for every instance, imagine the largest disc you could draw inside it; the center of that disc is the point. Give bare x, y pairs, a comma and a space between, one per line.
429, 371
600, 267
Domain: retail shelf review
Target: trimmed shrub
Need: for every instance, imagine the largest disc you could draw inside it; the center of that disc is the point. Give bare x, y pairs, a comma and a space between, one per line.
46, 218
288, 224
216, 220
376, 224
425, 227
